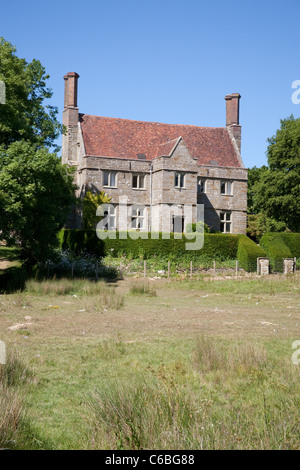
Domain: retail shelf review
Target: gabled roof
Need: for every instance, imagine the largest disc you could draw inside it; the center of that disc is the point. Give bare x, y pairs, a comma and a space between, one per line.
124, 138
167, 148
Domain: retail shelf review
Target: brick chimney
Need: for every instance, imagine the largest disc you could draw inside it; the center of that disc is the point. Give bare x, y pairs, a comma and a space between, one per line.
233, 118
70, 119
232, 109
71, 80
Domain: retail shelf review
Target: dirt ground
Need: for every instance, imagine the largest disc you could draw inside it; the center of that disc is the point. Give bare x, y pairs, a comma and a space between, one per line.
222, 308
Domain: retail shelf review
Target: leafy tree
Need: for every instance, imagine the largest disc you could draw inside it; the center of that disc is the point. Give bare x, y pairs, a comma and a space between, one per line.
89, 207
258, 224
25, 114
36, 193
277, 193
254, 175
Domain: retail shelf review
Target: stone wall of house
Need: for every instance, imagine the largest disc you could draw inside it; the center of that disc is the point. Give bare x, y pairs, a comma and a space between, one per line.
164, 193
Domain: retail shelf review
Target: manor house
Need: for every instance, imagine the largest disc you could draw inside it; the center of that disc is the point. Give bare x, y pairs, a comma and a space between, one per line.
157, 167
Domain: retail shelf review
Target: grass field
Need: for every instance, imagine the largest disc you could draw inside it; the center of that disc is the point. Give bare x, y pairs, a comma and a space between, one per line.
153, 364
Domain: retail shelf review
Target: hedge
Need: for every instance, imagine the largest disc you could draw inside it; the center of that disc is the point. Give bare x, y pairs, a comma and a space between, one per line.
276, 249
248, 252
292, 241
218, 246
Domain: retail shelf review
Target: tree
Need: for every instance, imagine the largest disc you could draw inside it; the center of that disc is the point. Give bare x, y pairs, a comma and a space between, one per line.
25, 116
258, 224
277, 193
90, 204
36, 193
254, 175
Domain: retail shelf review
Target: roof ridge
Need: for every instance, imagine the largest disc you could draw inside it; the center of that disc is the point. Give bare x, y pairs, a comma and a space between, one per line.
151, 122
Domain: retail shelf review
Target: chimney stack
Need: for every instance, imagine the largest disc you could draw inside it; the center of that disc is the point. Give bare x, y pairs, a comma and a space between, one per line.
70, 119
71, 80
232, 109
233, 118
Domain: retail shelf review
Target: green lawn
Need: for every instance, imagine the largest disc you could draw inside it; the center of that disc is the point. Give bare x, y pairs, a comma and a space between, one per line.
157, 364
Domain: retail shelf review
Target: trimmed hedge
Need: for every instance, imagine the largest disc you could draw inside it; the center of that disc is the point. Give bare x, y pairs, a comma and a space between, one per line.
292, 241
136, 244
276, 249
248, 252
80, 240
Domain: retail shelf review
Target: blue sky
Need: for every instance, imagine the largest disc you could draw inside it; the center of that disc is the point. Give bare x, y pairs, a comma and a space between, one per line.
168, 60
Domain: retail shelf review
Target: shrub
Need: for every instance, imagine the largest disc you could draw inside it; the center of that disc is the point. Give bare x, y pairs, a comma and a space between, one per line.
292, 241
197, 227
248, 252
80, 240
276, 250
83, 265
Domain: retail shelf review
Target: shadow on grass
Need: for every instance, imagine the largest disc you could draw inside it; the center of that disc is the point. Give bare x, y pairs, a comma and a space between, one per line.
9, 253
12, 279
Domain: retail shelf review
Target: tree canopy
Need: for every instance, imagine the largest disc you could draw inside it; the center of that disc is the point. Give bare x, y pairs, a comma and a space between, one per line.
36, 190
276, 192
89, 208
25, 115
36, 193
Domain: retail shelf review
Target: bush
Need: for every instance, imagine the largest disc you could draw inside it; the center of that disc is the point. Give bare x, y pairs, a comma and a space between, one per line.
81, 240
292, 241
141, 245
81, 265
248, 252
197, 227
276, 250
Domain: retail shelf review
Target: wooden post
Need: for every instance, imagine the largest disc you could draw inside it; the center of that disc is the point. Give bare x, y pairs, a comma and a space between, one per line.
295, 259
169, 269
236, 268
257, 266
145, 268
191, 268
97, 270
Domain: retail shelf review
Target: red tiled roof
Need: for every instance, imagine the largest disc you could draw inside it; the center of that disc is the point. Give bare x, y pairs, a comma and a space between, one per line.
165, 149
123, 138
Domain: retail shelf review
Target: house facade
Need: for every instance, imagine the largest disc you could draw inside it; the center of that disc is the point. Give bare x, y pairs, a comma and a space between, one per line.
160, 173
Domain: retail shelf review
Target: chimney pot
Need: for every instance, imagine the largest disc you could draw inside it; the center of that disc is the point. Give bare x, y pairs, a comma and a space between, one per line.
71, 84
232, 109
